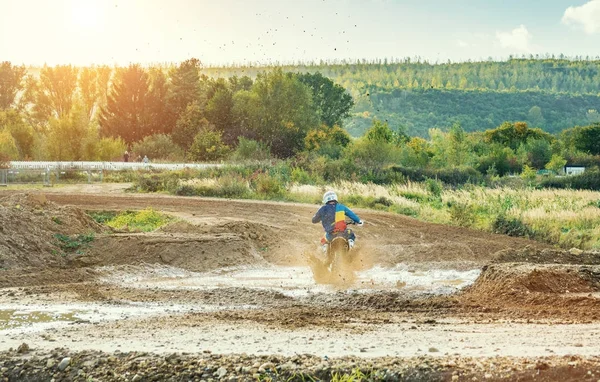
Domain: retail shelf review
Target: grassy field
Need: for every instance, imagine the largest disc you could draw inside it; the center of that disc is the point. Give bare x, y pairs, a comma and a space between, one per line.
567, 218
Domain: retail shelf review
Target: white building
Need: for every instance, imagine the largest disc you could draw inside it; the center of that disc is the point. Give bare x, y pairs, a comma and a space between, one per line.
574, 170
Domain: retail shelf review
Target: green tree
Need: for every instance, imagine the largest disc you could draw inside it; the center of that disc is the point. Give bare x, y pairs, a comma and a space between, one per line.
219, 111
56, 92
21, 132
66, 135
127, 113
458, 149
538, 152
329, 141
380, 132
89, 91
11, 83
8, 146
162, 116
189, 124
332, 101
588, 139
535, 117
280, 114
557, 164
185, 86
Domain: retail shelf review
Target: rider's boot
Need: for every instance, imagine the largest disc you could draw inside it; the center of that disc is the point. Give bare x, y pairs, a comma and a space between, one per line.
350, 243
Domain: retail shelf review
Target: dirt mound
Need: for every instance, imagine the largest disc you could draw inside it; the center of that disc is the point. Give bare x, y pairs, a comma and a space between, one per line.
530, 254
28, 225
513, 278
268, 241
538, 291
198, 253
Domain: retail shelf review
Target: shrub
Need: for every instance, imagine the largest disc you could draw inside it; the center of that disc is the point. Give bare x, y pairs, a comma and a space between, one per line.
462, 214
231, 186
167, 181
453, 176
249, 150
158, 146
269, 186
589, 180
434, 187
301, 176
511, 226
208, 146
110, 149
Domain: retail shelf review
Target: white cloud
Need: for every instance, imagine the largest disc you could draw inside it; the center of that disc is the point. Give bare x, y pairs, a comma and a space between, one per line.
586, 16
518, 39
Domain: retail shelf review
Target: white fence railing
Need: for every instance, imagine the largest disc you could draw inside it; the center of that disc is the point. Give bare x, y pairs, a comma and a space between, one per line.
15, 165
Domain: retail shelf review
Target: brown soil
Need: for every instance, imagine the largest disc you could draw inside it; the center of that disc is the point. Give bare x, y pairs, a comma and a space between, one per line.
521, 280
28, 223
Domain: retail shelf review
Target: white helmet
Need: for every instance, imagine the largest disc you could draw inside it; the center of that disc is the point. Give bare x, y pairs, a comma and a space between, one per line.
329, 196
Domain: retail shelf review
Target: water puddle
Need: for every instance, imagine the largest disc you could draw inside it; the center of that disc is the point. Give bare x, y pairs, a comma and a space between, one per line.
12, 318
293, 281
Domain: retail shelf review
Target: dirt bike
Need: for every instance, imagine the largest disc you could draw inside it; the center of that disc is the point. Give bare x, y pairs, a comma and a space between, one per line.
338, 250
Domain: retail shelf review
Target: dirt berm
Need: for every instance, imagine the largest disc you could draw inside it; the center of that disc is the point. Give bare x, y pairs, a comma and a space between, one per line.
29, 224
521, 290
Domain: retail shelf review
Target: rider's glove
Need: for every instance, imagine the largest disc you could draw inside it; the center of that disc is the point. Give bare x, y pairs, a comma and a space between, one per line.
360, 223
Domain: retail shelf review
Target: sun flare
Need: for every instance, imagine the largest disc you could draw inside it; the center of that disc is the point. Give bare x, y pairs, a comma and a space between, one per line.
86, 14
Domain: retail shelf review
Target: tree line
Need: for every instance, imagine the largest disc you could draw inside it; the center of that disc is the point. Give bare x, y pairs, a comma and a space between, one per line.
181, 113
68, 113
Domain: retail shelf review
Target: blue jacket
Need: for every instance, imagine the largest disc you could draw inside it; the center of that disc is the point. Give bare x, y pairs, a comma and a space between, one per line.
333, 217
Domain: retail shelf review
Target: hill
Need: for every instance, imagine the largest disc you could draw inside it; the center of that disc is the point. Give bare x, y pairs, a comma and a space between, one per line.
550, 93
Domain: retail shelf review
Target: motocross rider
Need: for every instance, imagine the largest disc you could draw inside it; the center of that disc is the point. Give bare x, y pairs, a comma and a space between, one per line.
333, 217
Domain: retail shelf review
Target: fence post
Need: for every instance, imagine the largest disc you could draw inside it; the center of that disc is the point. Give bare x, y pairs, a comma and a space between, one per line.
4, 178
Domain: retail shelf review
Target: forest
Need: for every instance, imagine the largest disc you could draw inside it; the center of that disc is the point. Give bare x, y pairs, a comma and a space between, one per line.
552, 93
186, 112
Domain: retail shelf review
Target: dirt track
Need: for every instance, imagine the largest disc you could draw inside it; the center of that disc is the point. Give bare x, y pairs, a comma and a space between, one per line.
235, 277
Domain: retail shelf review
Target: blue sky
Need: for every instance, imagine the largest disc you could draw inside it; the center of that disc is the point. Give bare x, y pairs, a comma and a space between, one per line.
225, 31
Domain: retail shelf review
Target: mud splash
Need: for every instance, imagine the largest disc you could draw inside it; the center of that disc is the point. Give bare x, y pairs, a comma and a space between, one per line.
290, 281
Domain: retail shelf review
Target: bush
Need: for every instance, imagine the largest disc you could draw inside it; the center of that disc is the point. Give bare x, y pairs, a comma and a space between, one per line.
158, 146
301, 176
462, 214
231, 186
167, 181
249, 150
110, 149
453, 176
269, 186
208, 146
511, 226
435, 187
589, 180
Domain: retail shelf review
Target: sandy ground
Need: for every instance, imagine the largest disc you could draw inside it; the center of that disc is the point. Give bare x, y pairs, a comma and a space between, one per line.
238, 277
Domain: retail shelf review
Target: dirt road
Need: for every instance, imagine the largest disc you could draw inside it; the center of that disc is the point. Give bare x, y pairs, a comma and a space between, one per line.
234, 277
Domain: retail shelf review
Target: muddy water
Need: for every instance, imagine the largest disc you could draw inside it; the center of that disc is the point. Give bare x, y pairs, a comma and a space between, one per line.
293, 281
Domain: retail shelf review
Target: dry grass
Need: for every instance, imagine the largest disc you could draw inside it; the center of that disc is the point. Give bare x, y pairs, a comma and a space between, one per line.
564, 217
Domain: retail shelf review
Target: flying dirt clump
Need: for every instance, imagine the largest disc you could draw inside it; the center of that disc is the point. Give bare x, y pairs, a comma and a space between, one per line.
29, 225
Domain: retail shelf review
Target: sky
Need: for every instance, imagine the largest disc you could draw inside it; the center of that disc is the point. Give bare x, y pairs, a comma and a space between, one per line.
84, 32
